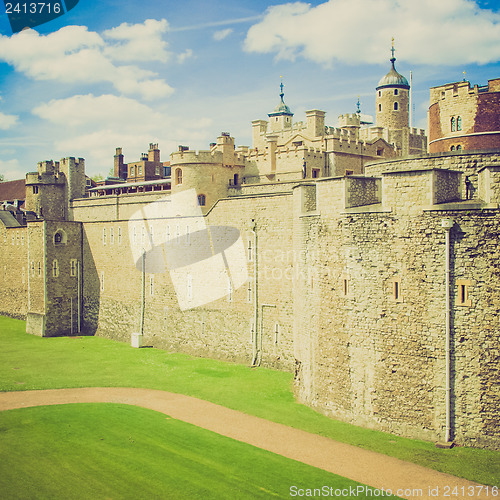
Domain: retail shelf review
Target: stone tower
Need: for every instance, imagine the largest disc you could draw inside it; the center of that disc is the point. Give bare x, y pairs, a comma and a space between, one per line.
393, 107
281, 117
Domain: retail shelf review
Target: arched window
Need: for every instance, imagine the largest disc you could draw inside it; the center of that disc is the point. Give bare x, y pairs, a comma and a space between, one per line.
453, 124
395, 106
178, 176
459, 123
60, 237
459, 147
395, 91
380, 107
452, 148
201, 200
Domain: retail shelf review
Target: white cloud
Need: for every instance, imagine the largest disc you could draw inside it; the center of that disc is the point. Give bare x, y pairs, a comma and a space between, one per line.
74, 55
187, 54
138, 42
92, 127
12, 170
221, 34
7, 121
105, 110
359, 31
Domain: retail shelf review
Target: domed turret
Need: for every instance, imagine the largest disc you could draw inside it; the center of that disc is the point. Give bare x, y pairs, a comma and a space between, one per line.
393, 99
281, 117
393, 79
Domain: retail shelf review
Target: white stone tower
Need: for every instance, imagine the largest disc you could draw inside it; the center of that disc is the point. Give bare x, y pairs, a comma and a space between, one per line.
393, 107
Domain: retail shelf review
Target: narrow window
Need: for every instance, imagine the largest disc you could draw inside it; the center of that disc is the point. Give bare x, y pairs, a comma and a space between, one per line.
315, 173
249, 292
22, 239
452, 148
345, 288
151, 286
396, 105
395, 91
73, 267
453, 124
32, 269
459, 148
250, 249
276, 333
104, 236
189, 287
55, 268
380, 107
143, 235
380, 93
463, 292
396, 290
177, 234
459, 123
201, 200
35, 189
178, 176
39, 268
229, 289
102, 281
119, 235
132, 171
111, 236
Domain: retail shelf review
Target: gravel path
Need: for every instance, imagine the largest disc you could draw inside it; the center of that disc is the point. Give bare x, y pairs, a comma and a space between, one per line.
404, 479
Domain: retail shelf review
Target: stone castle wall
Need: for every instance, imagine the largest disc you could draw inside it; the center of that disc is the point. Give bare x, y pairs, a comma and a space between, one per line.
369, 336
14, 271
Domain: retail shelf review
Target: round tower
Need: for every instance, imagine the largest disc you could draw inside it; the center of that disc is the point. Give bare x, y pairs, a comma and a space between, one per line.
393, 99
281, 117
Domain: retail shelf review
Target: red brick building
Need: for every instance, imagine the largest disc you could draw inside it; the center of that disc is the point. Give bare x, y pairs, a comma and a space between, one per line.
464, 117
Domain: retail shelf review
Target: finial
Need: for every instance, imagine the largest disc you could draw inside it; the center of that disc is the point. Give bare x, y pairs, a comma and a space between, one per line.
393, 58
358, 104
281, 87
464, 76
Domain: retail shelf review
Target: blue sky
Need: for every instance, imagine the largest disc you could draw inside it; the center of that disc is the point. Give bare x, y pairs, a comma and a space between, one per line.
126, 73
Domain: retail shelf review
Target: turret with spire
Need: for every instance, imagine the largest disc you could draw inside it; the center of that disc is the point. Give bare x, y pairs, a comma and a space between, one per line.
393, 99
281, 117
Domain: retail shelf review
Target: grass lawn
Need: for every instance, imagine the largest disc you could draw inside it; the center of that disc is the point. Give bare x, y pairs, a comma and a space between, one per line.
29, 362
94, 451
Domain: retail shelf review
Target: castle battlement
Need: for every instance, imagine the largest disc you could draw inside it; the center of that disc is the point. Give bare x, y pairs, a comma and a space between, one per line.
349, 120
185, 157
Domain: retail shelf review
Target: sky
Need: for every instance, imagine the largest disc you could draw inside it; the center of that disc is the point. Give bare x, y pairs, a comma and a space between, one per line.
126, 73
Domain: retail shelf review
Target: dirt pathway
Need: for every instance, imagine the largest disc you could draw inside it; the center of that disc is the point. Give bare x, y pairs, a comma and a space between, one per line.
404, 479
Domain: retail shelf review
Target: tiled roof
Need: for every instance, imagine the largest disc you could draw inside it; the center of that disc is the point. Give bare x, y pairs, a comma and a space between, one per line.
13, 190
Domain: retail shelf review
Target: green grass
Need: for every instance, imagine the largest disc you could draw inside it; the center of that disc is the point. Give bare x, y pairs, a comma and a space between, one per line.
28, 362
89, 451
